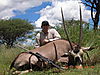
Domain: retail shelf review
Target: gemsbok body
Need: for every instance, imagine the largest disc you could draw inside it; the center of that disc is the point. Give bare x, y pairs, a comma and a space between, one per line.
53, 51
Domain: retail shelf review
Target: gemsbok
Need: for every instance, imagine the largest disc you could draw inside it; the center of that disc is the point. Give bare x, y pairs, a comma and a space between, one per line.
25, 61
54, 51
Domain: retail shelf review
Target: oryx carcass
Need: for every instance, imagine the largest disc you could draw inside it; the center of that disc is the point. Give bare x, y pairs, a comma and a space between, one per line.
54, 51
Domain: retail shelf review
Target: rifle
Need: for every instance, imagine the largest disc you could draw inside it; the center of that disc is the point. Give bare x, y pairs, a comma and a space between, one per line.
46, 60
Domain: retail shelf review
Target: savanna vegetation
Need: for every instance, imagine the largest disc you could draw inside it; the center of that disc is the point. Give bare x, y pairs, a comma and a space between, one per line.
90, 38
12, 29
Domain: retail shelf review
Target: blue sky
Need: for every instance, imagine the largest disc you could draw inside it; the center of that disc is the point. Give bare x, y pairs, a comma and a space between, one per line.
30, 14
36, 11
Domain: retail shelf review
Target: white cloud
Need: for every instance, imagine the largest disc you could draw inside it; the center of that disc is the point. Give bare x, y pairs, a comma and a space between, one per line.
50, 13
7, 6
70, 10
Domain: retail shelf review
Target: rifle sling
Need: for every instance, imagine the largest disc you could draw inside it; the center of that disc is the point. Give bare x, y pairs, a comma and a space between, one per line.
39, 56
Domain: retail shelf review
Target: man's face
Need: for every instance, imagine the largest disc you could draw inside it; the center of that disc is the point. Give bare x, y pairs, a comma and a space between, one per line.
45, 29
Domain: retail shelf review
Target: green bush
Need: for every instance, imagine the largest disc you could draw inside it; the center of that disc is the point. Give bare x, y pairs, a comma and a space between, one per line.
12, 29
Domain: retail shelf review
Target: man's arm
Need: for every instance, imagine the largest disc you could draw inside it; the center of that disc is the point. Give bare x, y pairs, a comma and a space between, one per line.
55, 34
37, 44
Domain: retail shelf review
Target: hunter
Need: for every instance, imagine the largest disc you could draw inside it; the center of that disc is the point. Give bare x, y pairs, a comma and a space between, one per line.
47, 34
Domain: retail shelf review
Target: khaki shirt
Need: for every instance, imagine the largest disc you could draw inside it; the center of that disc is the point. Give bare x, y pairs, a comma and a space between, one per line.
51, 36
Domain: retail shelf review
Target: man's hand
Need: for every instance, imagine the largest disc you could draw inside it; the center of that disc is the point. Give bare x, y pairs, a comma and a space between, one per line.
46, 40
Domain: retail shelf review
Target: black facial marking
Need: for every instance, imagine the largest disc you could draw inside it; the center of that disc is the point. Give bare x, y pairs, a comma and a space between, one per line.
76, 51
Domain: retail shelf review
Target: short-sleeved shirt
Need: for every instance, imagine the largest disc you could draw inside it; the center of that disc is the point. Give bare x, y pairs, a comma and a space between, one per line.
51, 36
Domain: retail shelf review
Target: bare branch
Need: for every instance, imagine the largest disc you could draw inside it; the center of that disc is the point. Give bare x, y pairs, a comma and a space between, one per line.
89, 1
94, 5
88, 5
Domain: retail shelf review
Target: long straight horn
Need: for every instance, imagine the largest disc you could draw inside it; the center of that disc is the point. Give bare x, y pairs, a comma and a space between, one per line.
65, 29
81, 28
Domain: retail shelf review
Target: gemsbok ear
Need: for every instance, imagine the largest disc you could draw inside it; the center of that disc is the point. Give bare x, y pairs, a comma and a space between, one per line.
87, 48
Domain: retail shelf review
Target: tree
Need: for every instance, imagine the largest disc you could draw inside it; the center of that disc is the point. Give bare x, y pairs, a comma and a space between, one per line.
95, 6
12, 29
